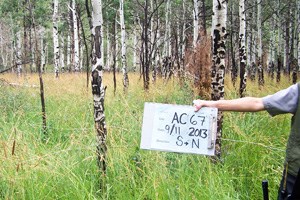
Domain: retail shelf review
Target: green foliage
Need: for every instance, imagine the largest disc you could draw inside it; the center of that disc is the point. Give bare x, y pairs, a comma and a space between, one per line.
64, 167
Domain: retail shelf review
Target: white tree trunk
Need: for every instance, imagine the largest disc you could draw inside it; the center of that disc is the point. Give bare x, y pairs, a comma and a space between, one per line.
117, 45
135, 43
62, 54
55, 38
76, 38
196, 22
68, 51
242, 48
108, 48
102, 34
167, 46
218, 61
32, 50
259, 45
43, 59
183, 30
98, 89
158, 45
18, 58
123, 43
248, 35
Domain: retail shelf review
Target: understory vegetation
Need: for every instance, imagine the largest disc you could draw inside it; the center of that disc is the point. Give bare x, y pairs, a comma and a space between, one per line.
62, 164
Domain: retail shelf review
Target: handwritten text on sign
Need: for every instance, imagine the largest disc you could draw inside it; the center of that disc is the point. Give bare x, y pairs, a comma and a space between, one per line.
178, 128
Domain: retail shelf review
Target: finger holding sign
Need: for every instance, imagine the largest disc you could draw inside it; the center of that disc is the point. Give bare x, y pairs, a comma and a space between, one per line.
198, 104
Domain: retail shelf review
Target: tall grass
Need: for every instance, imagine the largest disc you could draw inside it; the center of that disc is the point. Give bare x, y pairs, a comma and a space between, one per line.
64, 165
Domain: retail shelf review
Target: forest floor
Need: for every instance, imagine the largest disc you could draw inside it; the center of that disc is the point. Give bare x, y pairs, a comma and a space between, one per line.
62, 164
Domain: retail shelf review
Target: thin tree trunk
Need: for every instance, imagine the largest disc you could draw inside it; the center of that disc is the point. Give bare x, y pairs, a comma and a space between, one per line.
98, 89
108, 49
62, 54
43, 58
242, 49
55, 38
183, 47
218, 59
38, 64
76, 38
114, 54
123, 42
135, 43
232, 52
18, 53
86, 51
195, 22
259, 48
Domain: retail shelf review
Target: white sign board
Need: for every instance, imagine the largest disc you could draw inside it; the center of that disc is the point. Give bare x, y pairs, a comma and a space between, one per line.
179, 128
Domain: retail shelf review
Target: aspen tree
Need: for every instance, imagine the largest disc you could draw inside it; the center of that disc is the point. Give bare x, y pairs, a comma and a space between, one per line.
76, 38
123, 49
259, 45
195, 22
55, 38
242, 48
98, 89
18, 53
219, 35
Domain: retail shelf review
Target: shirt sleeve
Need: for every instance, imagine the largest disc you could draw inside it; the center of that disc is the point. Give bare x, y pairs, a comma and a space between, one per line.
284, 101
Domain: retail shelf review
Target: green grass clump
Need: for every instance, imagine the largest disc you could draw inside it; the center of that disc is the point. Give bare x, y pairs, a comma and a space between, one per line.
64, 165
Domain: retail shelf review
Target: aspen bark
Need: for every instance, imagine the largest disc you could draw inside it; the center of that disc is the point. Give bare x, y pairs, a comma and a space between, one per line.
62, 54
183, 47
18, 53
152, 42
259, 45
167, 46
135, 43
218, 59
43, 58
76, 38
196, 22
108, 49
55, 38
98, 89
242, 48
123, 42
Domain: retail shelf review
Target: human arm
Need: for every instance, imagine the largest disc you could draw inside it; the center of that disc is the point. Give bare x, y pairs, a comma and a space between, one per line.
246, 104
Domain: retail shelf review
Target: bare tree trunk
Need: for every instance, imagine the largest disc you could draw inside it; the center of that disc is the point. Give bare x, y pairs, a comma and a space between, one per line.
234, 67
38, 64
18, 53
98, 89
123, 41
62, 54
242, 49
183, 47
218, 60
108, 49
195, 22
259, 48
43, 58
135, 43
114, 54
76, 38
55, 38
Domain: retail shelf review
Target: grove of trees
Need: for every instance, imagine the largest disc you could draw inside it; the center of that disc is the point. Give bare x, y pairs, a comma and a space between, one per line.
199, 40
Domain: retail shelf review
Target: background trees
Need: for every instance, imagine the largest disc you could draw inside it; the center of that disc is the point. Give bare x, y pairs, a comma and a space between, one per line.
271, 35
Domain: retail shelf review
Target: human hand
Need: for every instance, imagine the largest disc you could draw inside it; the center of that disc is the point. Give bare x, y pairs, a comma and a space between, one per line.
198, 104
